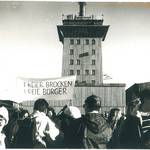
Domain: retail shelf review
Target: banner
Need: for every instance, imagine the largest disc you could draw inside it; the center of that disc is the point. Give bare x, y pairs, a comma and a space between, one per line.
50, 89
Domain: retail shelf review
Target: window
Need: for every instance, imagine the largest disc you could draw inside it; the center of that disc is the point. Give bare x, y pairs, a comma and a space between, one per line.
87, 41
71, 41
76, 82
78, 61
86, 72
93, 41
93, 62
83, 82
93, 82
71, 62
78, 41
71, 52
71, 72
78, 72
93, 72
93, 51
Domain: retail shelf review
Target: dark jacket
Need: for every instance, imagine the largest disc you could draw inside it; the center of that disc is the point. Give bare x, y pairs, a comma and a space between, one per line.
131, 134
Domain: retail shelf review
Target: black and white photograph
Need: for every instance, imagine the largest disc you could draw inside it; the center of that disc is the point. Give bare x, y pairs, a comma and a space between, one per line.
74, 74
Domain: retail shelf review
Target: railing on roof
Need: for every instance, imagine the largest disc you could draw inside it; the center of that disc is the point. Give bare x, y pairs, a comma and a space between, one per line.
75, 17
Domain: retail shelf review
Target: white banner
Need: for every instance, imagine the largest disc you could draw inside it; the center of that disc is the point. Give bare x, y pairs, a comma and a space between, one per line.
50, 89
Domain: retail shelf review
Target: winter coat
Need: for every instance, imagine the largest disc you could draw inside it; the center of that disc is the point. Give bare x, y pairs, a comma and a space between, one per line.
131, 134
97, 131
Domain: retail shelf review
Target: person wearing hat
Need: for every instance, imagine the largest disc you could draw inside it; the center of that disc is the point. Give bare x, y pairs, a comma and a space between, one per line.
72, 112
68, 116
4, 118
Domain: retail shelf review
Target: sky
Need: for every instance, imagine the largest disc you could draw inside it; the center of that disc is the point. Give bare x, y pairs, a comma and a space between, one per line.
29, 44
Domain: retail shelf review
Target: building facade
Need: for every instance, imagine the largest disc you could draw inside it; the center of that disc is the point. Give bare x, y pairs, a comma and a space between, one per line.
82, 38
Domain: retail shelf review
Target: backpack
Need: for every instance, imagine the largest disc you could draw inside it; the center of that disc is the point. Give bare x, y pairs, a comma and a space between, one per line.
24, 138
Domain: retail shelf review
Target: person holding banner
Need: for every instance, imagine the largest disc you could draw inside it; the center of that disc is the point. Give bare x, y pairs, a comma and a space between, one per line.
44, 129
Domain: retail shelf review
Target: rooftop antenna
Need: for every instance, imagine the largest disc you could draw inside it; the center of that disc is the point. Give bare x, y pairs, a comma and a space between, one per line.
82, 9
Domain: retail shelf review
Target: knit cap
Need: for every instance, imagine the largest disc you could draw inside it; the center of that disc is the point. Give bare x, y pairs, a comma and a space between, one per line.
73, 112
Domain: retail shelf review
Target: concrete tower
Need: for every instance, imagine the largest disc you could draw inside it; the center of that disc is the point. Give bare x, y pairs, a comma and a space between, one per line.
82, 38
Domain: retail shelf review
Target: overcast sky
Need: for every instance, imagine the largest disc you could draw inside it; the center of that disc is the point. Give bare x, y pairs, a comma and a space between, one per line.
29, 44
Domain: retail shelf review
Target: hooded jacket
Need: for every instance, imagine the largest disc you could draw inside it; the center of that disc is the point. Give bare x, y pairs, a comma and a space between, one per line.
97, 132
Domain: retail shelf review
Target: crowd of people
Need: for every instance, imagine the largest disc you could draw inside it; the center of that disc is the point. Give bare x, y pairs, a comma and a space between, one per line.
73, 130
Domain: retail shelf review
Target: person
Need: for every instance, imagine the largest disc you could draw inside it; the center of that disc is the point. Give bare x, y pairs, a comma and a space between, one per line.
145, 112
70, 114
91, 130
4, 118
12, 128
64, 121
23, 114
131, 133
115, 119
44, 129
21, 132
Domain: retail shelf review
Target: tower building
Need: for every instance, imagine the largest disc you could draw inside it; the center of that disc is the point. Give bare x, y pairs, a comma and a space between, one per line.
82, 38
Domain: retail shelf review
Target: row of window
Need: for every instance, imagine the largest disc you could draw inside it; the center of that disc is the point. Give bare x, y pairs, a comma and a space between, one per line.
78, 41
72, 52
78, 62
78, 72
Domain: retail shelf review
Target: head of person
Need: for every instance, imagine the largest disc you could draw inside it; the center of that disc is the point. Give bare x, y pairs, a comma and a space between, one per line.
72, 112
133, 107
114, 115
4, 117
145, 97
15, 114
51, 112
41, 105
23, 114
92, 103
